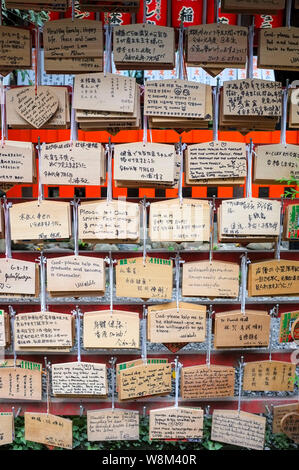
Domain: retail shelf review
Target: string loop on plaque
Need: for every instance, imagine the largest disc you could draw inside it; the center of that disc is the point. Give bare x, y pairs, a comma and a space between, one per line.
40, 185
278, 242
112, 363
211, 238
250, 50
12, 315
75, 204
42, 276
209, 335
241, 369
180, 147
110, 263
216, 91
108, 55
78, 314
244, 269
145, 205
6, 207
177, 370
144, 336
284, 114
249, 170
109, 152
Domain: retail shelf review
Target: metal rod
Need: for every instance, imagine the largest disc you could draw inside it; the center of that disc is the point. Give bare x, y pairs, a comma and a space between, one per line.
112, 363
40, 185
12, 314
75, 203
216, 11
288, 13
177, 370
284, 111
211, 241
204, 12
244, 263
278, 243
144, 335
250, 50
109, 151
240, 383
209, 335
145, 205
7, 206
178, 261
42, 275
249, 170
180, 149
216, 90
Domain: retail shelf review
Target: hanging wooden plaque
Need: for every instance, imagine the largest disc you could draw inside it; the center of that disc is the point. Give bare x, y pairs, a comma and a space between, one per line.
287, 320
143, 46
113, 221
152, 279
278, 48
274, 277
275, 162
279, 412
20, 384
49, 429
18, 277
294, 108
112, 425
290, 426
4, 329
40, 221
239, 428
76, 276
79, 379
291, 222
272, 376
204, 381
178, 423
215, 160
111, 330
236, 329
135, 362
167, 324
6, 428
37, 330
215, 279
17, 162
15, 48
179, 221
144, 380
249, 217
36, 106
72, 163
252, 7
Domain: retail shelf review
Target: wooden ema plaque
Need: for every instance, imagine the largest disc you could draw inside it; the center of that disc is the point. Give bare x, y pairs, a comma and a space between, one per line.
18, 278
287, 320
144, 380
173, 220
245, 98
252, 7
110, 221
216, 163
274, 277
79, 379
167, 324
239, 428
36, 221
97, 92
172, 98
76, 276
278, 48
143, 46
111, 330
6, 428
152, 280
135, 362
37, 5
36, 106
49, 429
177, 423
291, 222
217, 46
204, 381
73, 163
20, 383
123, 6
274, 162
270, 376
290, 426
4, 329
59, 120
43, 331
279, 412
236, 329
147, 164
295, 331
15, 49
73, 46
249, 219
112, 425
215, 279
17, 162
